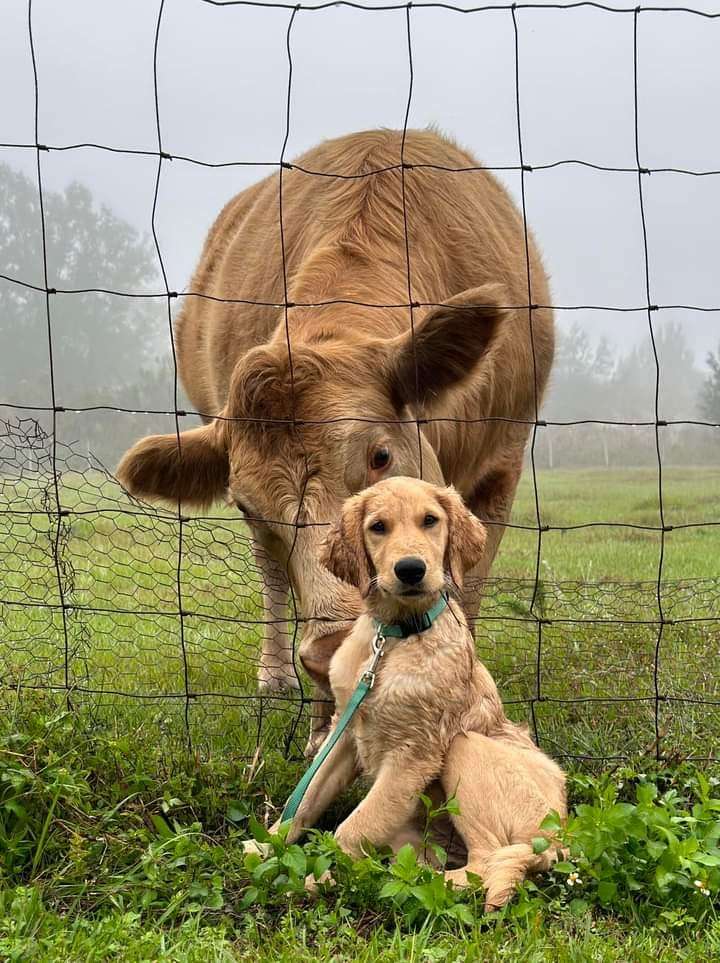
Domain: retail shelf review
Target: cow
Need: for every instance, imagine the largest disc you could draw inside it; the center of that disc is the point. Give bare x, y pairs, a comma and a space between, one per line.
376, 308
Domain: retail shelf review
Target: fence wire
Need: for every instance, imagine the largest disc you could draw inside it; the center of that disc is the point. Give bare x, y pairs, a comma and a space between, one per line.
109, 601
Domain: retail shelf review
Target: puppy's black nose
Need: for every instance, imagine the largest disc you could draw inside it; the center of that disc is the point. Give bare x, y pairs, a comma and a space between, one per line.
410, 570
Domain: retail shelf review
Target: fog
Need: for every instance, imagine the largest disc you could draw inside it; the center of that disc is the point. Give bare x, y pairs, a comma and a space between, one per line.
222, 77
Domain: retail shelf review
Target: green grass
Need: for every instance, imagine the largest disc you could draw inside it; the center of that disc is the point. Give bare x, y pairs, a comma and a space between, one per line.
109, 851
94, 780
627, 497
303, 936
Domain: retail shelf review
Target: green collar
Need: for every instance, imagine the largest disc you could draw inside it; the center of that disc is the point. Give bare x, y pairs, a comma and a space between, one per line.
414, 625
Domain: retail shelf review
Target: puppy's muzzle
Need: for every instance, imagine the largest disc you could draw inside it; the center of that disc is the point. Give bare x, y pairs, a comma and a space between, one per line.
410, 570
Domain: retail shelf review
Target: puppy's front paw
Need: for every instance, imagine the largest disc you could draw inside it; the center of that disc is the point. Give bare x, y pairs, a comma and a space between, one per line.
260, 849
348, 840
312, 885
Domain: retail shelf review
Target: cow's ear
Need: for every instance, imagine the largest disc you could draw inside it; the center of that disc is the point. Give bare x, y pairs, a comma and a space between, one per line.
192, 467
445, 346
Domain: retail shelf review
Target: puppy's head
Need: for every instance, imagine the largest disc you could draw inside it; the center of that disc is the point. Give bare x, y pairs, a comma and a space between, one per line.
405, 540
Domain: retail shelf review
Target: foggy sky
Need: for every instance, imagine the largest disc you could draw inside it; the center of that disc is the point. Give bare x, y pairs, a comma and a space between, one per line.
223, 75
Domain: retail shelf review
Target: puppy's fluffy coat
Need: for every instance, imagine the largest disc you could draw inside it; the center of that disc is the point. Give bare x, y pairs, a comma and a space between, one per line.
434, 721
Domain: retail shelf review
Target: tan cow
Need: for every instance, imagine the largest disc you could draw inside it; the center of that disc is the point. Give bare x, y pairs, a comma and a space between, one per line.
317, 400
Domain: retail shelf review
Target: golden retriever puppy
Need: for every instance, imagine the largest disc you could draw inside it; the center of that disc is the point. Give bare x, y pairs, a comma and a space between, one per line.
433, 720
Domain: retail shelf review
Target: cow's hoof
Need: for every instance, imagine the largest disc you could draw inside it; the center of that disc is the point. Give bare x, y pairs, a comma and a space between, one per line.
315, 741
274, 680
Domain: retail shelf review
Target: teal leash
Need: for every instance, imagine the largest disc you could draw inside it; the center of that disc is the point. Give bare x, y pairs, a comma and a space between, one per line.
400, 630
367, 681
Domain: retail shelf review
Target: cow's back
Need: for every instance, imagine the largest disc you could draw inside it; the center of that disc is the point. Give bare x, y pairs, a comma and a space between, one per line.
344, 239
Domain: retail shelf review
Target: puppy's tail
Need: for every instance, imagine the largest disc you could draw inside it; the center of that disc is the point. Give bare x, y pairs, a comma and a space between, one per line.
507, 867
502, 869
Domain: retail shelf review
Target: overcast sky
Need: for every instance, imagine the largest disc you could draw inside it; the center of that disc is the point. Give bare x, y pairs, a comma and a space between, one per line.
222, 90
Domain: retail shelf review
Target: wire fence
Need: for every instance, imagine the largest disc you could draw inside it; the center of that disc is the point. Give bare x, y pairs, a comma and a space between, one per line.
108, 601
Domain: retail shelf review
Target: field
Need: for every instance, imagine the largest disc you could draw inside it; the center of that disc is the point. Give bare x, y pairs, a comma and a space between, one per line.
125, 574
104, 686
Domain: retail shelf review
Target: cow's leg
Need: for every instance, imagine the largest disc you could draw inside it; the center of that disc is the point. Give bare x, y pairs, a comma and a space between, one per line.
315, 655
491, 502
277, 671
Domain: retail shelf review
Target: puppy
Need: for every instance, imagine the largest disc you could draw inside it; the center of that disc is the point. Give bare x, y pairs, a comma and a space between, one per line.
433, 721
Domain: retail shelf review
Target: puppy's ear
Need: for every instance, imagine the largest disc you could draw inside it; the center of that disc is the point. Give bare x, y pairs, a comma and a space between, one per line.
343, 552
466, 536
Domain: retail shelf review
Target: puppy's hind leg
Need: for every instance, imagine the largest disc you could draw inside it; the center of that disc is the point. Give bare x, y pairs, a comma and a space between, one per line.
469, 776
487, 789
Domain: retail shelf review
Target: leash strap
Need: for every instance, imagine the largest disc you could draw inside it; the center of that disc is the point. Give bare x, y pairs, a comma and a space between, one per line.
367, 680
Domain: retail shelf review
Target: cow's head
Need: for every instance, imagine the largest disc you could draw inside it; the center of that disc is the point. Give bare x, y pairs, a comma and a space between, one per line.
298, 436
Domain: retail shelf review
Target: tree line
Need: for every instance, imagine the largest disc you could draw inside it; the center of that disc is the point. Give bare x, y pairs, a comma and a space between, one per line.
112, 351
655, 379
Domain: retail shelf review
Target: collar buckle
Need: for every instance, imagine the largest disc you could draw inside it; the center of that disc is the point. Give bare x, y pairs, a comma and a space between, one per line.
378, 647
424, 621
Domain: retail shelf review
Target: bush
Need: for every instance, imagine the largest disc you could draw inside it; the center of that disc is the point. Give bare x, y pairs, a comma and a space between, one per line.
83, 823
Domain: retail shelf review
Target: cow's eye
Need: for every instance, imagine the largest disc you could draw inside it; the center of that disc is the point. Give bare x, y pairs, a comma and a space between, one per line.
378, 527
430, 520
380, 458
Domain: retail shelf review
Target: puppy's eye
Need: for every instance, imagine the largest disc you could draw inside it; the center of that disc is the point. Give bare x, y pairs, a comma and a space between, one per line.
429, 521
380, 458
377, 527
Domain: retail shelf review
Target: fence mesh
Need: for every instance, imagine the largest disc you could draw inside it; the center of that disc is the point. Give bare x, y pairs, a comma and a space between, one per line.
109, 601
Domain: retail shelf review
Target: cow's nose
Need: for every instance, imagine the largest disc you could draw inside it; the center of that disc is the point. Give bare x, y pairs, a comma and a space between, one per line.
410, 570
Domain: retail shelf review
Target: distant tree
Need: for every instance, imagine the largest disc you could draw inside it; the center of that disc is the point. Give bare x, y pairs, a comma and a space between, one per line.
709, 402
107, 434
580, 376
590, 383
99, 341
578, 392
635, 378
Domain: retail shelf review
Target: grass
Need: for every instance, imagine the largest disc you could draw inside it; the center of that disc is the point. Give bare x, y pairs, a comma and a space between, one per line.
109, 851
88, 796
624, 497
301, 936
